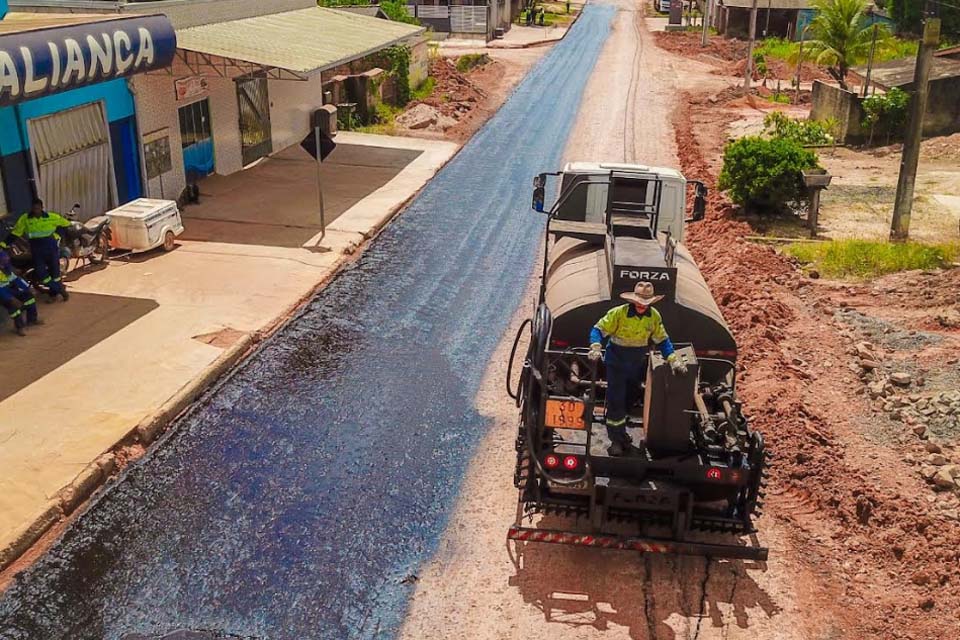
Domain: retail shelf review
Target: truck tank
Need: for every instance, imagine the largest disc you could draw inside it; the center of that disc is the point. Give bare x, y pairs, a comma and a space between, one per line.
585, 277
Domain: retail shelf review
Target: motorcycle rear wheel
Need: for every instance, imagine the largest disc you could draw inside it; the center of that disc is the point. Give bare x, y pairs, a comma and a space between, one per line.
101, 252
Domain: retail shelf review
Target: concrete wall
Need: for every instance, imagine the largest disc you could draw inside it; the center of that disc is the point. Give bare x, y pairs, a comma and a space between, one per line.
291, 104
943, 107
829, 101
419, 61
182, 13
941, 118
157, 108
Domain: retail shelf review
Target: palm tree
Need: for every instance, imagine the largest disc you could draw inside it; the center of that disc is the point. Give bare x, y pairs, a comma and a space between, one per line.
841, 36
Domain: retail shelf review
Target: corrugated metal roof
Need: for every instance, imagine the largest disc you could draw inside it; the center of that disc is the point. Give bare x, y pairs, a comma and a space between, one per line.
300, 41
763, 4
899, 73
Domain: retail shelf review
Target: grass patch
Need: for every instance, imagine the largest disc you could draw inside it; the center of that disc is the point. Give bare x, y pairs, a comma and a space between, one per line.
384, 125
899, 48
787, 50
870, 258
779, 48
471, 61
425, 89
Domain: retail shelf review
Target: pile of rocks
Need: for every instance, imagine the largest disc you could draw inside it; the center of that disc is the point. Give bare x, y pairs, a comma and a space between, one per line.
939, 470
922, 413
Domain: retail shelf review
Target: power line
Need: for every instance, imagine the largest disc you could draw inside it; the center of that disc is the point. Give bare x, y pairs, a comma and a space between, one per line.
944, 4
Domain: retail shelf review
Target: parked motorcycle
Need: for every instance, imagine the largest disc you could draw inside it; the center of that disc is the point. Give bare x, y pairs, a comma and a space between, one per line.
88, 241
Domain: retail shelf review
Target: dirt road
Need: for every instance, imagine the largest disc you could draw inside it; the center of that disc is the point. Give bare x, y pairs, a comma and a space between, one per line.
831, 573
556, 592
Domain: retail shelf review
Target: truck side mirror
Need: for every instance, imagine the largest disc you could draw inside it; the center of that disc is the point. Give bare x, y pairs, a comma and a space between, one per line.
539, 191
699, 203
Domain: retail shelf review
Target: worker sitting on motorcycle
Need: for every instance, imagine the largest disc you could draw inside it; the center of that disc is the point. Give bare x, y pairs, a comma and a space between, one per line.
40, 228
16, 296
630, 328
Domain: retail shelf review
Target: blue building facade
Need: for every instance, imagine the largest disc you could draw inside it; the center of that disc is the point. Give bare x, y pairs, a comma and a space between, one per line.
68, 128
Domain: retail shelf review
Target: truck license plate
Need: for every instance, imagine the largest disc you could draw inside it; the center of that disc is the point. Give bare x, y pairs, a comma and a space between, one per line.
565, 414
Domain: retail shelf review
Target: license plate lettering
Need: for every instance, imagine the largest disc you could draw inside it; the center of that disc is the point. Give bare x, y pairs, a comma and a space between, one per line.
564, 414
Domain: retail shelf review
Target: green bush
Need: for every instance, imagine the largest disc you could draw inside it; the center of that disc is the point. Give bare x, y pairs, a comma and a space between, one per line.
869, 258
396, 10
804, 132
885, 113
762, 174
471, 60
425, 89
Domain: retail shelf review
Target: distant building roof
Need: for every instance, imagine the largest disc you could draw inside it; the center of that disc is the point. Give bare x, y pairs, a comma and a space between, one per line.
370, 10
899, 73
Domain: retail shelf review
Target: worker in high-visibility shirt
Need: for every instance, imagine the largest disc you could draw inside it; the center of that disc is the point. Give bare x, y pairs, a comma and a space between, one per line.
16, 296
40, 228
630, 328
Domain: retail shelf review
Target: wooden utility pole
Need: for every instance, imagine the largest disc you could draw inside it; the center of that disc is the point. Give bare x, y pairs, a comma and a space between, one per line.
748, 72
705, 37
873, 49
900, 226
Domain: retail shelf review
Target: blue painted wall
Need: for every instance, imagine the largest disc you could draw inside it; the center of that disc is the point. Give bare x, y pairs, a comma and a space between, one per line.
3, 8
14, 142
114, 93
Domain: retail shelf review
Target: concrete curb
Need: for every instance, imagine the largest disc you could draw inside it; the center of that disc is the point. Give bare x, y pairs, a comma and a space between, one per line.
150, 427
30, 533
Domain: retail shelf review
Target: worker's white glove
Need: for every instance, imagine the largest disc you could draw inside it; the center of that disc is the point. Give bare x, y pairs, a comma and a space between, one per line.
678, 365
595, 352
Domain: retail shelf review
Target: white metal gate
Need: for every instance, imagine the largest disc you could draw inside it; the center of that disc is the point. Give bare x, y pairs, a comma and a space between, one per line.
74, 164
466, 19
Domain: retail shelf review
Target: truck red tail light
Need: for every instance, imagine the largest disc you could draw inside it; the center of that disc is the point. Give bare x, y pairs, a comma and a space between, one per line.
713, 473
551, 461
570, 463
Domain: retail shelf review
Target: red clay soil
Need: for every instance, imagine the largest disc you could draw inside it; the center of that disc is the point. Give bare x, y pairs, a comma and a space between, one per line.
455, 95
724, 50
860, 517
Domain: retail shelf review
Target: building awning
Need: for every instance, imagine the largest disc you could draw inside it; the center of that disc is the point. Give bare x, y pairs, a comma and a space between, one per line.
290, 45
763, 5
899, 73
43, 53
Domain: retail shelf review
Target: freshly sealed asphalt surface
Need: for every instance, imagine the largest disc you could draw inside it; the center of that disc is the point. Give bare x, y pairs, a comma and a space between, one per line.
299, 499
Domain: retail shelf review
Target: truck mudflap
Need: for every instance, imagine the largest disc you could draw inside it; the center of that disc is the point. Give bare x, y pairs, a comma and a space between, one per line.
645, 545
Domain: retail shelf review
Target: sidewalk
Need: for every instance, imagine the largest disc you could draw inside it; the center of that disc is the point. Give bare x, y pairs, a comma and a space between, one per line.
518, 37
180, 313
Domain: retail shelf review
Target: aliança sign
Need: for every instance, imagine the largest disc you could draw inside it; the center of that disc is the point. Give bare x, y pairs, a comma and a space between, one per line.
46, 61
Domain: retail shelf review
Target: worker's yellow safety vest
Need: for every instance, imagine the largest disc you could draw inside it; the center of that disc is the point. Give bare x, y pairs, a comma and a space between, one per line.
631, 330
43, 226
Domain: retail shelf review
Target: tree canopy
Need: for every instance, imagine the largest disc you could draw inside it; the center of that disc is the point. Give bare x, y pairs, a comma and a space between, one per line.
841, 37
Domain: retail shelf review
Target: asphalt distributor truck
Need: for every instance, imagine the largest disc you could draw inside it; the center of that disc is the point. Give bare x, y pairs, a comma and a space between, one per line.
696, 465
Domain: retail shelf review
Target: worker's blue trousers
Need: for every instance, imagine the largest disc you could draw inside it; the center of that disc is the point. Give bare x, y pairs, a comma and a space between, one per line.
46, 263
26, 311
626, 369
